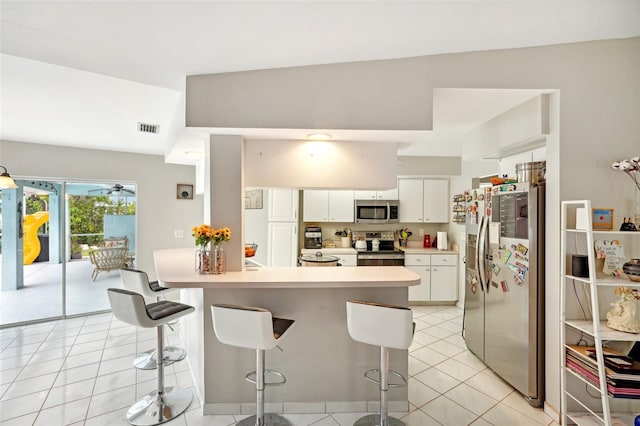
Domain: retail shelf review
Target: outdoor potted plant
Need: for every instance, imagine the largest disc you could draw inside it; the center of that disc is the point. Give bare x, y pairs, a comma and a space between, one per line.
76, 251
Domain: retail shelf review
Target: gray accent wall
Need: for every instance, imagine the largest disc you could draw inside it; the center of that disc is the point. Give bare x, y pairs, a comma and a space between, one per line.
594, 105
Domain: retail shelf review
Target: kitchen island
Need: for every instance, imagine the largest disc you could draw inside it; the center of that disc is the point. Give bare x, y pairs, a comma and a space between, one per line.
323, 365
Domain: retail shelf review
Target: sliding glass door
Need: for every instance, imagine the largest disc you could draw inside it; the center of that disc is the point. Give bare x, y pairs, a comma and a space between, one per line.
62, 245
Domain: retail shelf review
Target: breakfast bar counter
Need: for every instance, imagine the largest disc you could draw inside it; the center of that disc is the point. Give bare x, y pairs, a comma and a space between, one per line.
323, 365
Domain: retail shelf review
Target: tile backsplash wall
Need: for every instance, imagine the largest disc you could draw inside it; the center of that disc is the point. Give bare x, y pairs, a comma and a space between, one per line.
329, 229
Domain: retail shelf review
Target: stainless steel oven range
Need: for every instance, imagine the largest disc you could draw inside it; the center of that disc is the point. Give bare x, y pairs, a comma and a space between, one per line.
380, 249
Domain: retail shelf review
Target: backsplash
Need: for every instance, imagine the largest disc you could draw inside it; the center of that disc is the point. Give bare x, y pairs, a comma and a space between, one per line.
329, 229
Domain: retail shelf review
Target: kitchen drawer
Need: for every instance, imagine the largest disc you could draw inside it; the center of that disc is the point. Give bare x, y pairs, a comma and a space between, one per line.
347, 259
417, 259
444, 259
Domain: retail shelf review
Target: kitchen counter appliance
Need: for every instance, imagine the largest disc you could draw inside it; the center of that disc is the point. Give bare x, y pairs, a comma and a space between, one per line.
312, 237
504, 283
376, 211
385, 255
319, 259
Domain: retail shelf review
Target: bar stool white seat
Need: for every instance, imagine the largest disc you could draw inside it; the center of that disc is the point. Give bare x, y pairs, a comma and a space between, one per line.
138, 282
387, 326
253, 328
163, 404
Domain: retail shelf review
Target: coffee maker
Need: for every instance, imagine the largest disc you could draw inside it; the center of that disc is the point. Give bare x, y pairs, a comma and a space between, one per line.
312, 237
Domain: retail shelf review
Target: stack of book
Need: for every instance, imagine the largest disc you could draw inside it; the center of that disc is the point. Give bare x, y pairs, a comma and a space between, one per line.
623, 373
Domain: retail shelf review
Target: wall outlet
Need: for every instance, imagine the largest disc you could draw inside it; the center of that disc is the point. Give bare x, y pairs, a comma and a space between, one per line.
178, 233
421, 232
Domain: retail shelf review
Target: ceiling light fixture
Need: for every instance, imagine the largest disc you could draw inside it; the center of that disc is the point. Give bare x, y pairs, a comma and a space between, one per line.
319, 136
193, 154
6, 181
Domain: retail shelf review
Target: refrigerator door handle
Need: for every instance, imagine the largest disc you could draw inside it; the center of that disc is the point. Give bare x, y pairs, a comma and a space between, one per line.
482, 253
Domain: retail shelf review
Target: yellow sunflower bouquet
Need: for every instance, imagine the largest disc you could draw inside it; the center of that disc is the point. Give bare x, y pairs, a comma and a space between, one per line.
205, 234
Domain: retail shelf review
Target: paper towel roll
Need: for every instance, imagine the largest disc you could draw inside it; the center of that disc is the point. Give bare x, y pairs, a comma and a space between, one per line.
442, 241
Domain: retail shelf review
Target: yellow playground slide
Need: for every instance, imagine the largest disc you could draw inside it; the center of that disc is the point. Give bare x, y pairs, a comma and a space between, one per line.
30, 239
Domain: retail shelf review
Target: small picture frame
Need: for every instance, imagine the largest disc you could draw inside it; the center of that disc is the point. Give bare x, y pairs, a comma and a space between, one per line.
602, 219
184, 191
253, 199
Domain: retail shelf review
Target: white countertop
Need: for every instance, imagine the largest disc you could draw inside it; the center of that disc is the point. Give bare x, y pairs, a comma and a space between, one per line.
420, 250
175, 268
337, 250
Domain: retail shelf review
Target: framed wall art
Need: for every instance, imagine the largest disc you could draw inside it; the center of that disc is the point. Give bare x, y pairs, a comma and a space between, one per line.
602, 219
184, 191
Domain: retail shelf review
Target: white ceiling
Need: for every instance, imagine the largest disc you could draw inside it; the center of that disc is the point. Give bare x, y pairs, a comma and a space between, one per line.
83, 73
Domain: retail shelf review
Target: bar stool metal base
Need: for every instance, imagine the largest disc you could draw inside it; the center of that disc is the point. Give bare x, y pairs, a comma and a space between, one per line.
270, 419
153, 409
374, 420
147, 360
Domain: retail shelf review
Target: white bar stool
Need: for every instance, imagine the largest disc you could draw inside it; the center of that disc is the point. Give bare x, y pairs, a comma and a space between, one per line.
163, 404
138, 282
253, 328
387, 326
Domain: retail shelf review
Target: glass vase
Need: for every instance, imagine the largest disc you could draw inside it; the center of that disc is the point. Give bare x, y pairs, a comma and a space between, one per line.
203, 260
218, 264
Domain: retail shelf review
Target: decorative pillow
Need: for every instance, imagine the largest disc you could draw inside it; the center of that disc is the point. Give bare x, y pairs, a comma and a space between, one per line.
115, 242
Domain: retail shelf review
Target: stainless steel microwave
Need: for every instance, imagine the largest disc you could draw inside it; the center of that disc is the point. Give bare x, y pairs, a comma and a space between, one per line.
376, 211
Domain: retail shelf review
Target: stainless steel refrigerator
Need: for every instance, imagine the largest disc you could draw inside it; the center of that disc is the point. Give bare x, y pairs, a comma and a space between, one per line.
504, 283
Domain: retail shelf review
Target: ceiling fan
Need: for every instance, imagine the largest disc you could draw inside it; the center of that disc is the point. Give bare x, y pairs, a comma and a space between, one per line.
116, 189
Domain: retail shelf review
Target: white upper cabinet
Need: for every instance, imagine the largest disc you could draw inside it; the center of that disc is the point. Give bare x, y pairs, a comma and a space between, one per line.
423, 200
283, 205
389, 194
411, 196
341, 208
328, 206
365, 195
436, 201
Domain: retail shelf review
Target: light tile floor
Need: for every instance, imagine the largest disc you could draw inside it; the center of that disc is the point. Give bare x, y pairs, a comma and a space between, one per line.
78, 371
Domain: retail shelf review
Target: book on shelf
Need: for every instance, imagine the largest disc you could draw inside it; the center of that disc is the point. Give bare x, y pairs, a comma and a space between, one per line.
619, 385
618, 363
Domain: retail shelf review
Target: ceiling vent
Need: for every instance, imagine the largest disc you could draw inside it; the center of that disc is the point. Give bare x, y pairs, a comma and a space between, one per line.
148, 128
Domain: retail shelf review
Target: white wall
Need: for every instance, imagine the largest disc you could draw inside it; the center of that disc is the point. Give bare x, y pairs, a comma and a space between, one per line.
521, 128
319, 164
158, 214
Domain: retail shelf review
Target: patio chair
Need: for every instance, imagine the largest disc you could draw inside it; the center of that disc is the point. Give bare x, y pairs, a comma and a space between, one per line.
106, 259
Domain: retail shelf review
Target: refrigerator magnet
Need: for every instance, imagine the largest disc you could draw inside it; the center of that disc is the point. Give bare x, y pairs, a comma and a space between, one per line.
522, 249
505, 287
495, 268
506, 256
518, 280
495, 284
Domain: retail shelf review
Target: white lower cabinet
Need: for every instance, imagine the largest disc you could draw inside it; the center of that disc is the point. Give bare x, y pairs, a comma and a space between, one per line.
422, 292
438, 273
347, 259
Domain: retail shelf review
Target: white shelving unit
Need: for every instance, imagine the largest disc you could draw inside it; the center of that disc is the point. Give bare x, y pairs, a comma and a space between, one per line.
592, 329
